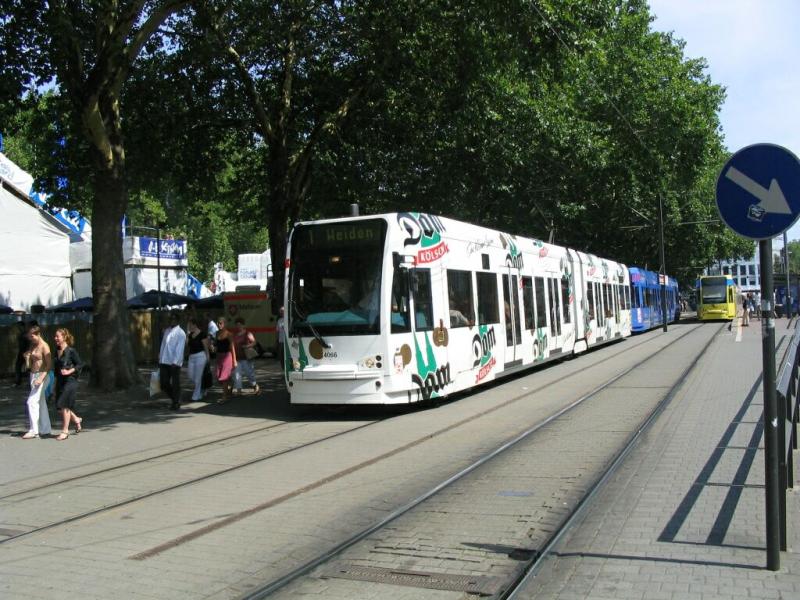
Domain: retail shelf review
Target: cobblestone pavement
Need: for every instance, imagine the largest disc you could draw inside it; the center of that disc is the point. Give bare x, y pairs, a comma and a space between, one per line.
684, 518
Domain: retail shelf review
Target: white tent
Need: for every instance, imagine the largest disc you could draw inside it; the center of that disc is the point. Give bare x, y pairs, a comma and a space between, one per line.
34, 253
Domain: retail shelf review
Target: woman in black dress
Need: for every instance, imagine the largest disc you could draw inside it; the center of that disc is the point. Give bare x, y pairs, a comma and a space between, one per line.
67, 367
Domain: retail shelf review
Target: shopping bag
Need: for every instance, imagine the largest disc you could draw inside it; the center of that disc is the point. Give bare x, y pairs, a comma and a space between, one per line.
207, 381
155, 383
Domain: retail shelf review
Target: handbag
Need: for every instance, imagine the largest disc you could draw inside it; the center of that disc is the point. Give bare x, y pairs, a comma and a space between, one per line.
155, 383
207, 381
250, 353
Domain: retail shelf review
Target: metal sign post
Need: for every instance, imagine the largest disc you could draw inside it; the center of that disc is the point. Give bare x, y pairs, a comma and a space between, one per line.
758, 196
771, 452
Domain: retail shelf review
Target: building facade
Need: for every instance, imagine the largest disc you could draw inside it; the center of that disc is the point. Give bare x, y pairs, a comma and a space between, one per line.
746, 273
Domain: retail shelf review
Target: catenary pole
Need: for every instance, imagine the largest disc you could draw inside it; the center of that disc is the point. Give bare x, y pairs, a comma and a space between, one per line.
663, 272
788, 279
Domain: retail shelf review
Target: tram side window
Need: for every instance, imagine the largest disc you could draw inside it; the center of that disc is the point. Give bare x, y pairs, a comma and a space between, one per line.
541, 307
401, 323
423, 301
606, 300
565, 298
617, 302
627, 296
459, 294
590, 300
598, 294
488, 310
527, 302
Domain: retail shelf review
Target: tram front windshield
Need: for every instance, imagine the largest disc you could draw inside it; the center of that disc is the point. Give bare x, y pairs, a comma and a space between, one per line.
713, 290
335, 278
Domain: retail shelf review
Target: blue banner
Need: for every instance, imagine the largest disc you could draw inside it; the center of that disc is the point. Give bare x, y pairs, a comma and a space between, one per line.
70, 218
194, 286
170, 249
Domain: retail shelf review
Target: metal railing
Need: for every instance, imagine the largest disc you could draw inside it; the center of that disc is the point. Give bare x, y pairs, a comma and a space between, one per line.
788, 414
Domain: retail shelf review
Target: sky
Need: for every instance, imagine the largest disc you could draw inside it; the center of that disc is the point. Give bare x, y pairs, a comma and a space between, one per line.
752, 48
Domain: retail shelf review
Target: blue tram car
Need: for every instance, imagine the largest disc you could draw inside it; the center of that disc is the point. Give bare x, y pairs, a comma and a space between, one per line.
646, 300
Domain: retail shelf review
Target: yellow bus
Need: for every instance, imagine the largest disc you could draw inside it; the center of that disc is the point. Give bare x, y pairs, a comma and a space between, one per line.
716, 298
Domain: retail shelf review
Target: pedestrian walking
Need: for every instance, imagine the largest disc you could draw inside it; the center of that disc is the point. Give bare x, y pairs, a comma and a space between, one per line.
211, 330
199, 357
170, 359
745, 311
246, 353
281, 337
226, 359
39, 363
67, 368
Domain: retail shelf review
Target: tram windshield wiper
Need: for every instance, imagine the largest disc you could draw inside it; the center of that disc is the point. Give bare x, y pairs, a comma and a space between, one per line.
304, 318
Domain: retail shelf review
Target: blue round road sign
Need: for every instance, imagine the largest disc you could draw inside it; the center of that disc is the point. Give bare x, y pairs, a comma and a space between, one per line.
758, 191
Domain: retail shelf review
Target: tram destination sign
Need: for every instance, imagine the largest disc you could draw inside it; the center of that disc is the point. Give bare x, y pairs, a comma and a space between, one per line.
758, 191
337, 235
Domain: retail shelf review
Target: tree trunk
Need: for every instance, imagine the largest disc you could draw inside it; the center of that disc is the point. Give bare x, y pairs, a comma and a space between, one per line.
113, 361
278, 238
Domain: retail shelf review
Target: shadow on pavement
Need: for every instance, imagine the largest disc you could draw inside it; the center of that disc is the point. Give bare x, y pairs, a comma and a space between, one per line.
104, 411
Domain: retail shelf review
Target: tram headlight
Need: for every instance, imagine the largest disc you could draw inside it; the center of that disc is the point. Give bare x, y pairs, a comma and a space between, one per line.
369, 363
296, 364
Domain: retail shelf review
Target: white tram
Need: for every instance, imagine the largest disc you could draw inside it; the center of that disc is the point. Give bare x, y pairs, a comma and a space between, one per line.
406, 307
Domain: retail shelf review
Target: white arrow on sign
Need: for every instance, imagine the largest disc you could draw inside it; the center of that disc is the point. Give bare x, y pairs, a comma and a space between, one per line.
772, 199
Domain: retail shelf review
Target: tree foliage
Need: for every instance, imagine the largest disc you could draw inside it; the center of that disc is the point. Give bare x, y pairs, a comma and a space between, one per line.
228, 120
88, 50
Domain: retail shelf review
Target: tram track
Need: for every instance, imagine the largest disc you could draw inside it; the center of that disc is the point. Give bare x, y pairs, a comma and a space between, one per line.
228, 436
533, 566
327, 557
176, 486
271, 503
205, 445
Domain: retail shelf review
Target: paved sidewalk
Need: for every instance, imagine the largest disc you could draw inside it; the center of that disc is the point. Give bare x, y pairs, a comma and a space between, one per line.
122, 423
684, 516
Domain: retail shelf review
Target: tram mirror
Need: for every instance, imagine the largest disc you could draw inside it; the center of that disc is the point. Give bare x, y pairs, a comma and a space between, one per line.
402, 261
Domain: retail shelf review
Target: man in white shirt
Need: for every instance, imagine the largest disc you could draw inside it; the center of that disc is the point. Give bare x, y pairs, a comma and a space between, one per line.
170, 359
212, 329
212, 335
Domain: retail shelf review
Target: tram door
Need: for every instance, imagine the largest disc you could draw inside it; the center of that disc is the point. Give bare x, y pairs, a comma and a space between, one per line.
554, 302
512, 319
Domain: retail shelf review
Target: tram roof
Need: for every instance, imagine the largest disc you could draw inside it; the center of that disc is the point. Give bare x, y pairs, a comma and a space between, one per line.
472, 230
